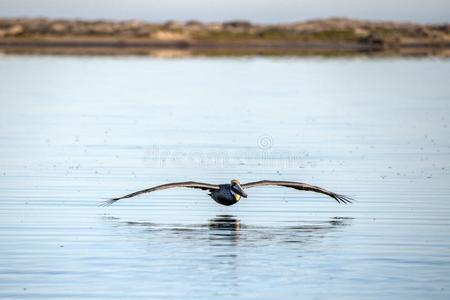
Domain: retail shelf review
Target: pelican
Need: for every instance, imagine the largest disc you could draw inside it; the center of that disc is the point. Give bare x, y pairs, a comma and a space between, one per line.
229, 194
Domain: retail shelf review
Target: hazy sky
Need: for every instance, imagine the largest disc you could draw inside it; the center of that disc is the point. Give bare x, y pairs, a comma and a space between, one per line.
214, 10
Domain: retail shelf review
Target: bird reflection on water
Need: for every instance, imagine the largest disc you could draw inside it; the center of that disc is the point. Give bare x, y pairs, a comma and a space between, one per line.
228, 230
226, 250
224, 228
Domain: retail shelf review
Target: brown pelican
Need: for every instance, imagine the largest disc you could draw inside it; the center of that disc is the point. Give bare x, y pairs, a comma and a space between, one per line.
229, 194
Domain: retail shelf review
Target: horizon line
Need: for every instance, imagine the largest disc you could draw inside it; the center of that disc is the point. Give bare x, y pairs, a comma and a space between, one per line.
187, 20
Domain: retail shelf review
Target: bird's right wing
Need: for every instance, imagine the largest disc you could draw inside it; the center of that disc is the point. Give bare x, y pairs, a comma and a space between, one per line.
188, 184
299, 186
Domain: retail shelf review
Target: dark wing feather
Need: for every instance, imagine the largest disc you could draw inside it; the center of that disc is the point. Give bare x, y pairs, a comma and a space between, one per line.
188, 184
299, 186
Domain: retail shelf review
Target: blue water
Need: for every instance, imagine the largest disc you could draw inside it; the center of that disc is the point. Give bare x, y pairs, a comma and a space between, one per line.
75, 131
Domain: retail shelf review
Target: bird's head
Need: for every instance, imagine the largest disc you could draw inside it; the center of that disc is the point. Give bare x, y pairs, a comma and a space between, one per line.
237, 190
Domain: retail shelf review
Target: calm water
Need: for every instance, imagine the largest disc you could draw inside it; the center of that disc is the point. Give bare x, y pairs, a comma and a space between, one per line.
77, 130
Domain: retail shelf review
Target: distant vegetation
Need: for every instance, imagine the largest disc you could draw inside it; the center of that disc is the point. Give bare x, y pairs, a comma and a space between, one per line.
328, 34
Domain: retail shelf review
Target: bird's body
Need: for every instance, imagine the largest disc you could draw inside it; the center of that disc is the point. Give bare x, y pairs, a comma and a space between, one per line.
224, 195
229, 194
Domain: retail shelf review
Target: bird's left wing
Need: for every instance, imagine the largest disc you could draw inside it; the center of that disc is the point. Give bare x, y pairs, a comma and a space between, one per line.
299, 186
188, 184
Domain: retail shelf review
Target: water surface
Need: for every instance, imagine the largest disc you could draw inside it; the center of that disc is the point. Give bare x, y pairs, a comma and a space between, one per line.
77, 130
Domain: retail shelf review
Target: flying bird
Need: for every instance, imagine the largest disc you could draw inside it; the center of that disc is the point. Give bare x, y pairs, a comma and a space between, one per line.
229, 194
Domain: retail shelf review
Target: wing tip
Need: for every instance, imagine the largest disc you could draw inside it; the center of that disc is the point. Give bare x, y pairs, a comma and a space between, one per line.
342, 199
108, 202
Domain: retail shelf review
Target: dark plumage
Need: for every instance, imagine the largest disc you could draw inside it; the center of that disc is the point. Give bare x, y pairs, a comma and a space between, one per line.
229, 194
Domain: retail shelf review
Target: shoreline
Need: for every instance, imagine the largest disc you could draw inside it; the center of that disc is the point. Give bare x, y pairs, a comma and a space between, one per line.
187, 50
329, 36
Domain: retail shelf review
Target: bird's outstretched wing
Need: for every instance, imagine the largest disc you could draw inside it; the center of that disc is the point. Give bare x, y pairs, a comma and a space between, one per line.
299, 186
188, 184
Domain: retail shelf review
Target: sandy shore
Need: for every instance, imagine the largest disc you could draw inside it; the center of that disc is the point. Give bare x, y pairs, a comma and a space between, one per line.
331, 36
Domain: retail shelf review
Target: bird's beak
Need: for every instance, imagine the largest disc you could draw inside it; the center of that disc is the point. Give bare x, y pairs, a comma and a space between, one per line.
240, 191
